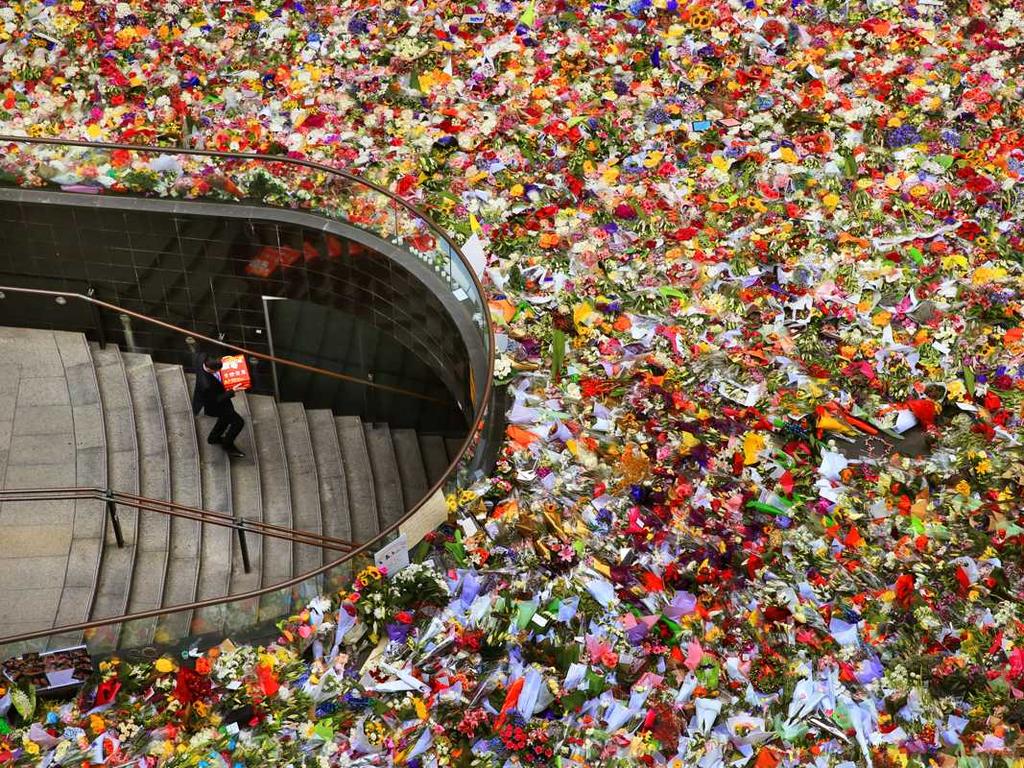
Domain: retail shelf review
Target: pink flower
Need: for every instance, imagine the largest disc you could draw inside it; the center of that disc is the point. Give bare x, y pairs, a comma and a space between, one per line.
1017, 664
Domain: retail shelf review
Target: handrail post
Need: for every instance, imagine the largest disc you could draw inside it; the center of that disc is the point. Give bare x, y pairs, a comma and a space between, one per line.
97, 318
114, 519
240, 527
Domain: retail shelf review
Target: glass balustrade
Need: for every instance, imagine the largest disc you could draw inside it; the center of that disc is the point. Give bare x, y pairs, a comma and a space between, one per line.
168, 175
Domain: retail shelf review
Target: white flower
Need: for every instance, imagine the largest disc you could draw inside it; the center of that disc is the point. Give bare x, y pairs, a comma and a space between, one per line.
502, 367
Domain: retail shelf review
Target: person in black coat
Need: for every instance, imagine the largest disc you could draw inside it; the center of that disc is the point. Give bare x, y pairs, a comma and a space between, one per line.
211, 397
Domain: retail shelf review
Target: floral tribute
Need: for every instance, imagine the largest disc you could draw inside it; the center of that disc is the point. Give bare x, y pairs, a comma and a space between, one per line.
755, 268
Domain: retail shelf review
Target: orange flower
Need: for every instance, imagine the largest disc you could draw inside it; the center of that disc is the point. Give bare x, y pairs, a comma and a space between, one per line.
549, 240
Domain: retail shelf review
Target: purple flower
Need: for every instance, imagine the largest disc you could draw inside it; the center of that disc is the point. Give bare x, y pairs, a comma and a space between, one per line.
398, 632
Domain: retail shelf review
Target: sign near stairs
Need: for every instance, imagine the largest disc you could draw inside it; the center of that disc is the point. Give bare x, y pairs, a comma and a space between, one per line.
394, 556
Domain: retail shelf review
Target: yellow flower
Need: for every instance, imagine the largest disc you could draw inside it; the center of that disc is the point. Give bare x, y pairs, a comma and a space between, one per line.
963, 488
753, 444
164, 665
987, 275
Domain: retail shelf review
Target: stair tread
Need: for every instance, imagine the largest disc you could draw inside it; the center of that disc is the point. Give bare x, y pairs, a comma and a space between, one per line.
435, 456
387, 482
186, 535
217, 543
117, 566
336, 520
247, 504
411, 468
148, 578
452, 446
275, 486
330, 466
362, 498
304, 484
86, 549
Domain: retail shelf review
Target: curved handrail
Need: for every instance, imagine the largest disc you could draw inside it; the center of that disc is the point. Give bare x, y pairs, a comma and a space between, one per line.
173, 509
233, 347
301, 162
474, 430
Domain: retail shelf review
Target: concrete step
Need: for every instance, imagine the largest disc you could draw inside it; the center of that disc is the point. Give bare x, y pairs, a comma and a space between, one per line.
275, 497
362, 497
302, 471
336, 519
411, 468
154, 530
217, 542
38, 451
435, 456
186, 488
121, 413
452, 446
82, 575
247, 501
387, 482
117, 567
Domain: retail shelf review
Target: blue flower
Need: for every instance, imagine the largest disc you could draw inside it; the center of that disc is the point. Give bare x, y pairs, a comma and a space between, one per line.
902, 137
658, 116
355, 702
326, 709
951, 137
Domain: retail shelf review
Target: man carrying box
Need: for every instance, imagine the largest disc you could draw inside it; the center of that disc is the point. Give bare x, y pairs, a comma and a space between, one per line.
210, 396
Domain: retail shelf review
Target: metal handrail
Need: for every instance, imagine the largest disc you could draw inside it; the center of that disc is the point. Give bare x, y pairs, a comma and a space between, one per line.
172, 509
365, 547
233, 347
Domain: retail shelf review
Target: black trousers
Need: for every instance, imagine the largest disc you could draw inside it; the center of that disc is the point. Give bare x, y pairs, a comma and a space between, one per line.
227, 428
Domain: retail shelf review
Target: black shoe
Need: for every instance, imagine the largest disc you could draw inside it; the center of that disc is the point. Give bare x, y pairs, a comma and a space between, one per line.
214, 439
233, 452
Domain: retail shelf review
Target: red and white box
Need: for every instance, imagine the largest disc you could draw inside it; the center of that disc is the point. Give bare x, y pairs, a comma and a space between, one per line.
234, 373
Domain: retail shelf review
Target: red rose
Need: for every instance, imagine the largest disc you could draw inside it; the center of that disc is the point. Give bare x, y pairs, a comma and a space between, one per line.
905, 590
190, 687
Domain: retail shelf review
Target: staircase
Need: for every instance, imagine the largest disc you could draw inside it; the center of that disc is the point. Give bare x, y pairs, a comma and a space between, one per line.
72, 414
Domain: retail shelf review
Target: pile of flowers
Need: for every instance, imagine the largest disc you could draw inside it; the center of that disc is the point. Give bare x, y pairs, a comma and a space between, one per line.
756, 273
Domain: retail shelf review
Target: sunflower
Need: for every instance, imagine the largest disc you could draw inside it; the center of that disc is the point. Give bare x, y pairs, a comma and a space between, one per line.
702, 18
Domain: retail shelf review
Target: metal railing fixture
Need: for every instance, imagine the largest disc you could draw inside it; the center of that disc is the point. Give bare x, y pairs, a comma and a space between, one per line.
98, 304
144, 504
352, 205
